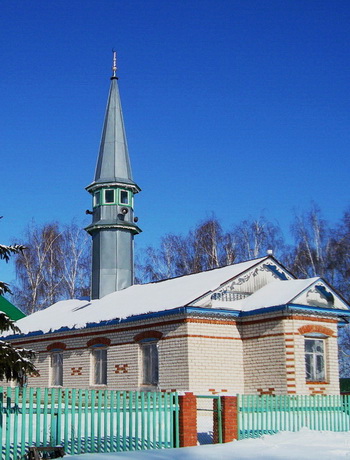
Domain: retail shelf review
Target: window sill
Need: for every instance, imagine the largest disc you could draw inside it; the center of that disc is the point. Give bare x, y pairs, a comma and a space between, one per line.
148, 387
318, 382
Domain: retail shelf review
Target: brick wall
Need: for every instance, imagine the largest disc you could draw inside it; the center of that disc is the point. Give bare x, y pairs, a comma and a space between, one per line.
264, 355
123, 355
261, 354
215, 357
274, 355
295, 329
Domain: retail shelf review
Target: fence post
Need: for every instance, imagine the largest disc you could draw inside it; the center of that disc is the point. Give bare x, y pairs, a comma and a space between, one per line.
188, 420
229, 419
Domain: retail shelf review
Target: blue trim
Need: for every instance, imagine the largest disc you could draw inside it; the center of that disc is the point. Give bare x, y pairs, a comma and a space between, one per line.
338, 311
187, 310
295, 307
259, 311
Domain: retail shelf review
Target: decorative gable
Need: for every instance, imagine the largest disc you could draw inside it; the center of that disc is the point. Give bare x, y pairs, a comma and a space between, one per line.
245, 284
319, 294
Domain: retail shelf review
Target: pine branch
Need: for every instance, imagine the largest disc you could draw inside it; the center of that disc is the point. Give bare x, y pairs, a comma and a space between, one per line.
6, 251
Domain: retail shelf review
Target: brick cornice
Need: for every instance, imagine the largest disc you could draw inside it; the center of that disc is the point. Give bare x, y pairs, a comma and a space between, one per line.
98, 341
56, 346
315, 328
148, 335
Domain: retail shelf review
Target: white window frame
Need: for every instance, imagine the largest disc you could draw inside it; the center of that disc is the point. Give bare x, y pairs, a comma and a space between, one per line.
149, 362
130, 197
56, 368
99, 361
97, 198
105, 191
314, 359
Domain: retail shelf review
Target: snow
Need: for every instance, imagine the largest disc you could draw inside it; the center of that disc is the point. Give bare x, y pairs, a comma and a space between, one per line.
274, 294
302, 445
164, 295
137, 299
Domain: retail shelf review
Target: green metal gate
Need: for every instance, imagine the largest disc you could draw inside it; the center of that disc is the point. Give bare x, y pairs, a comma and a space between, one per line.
209, 431
86, 420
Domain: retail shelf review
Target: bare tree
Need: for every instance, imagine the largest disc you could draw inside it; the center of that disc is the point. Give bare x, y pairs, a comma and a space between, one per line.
339, 261
253, 237
311, 255
53, 267
76, 261
208, 246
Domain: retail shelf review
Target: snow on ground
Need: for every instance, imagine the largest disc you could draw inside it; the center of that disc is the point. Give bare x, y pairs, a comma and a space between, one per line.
305, 445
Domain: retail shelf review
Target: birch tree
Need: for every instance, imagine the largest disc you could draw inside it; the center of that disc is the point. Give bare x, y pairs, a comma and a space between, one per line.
53, 267
312, 253
254, 237
208, 246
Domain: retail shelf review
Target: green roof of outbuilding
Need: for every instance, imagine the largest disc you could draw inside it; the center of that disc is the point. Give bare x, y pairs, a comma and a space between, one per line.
10, 310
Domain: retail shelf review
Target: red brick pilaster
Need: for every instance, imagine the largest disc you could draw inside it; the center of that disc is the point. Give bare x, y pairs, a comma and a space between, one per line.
229, 417
188, 420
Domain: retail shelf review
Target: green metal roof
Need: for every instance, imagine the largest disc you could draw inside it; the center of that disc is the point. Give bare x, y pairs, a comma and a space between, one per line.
10, 310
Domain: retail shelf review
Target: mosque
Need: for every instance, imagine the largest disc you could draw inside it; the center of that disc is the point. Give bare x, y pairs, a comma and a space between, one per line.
250, 327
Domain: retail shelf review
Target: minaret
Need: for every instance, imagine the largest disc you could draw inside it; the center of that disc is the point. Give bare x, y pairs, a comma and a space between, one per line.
113, 223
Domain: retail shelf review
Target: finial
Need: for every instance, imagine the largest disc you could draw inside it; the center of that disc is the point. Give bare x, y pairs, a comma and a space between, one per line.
114, 68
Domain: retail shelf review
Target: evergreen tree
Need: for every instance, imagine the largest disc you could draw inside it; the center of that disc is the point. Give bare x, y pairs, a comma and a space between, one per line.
15, 363
5, 253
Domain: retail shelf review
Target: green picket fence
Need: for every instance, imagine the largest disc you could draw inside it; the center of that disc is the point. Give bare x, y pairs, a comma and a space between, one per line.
269, 414
86, 420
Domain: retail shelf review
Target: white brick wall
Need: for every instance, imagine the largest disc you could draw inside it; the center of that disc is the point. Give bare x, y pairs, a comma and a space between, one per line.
261, 354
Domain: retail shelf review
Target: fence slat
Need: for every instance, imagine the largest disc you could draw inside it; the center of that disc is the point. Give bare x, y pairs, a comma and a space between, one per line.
86, 420
15, 422
8, 423
269, 413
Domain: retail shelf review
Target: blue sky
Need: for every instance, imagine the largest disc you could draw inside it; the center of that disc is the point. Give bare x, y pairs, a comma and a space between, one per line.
235, 107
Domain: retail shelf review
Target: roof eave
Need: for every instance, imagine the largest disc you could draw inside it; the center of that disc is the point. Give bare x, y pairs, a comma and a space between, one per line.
294, 308
118, 182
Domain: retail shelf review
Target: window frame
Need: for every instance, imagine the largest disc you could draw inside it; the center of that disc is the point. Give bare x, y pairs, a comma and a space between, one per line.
105, 191
129, 195
312, 359
149, 362
102, 378
56, 368
96, 201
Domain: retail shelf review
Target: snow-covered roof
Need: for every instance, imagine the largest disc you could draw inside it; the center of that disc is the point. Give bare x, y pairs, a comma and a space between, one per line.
274, 294
264, 277
134, 300
309, 292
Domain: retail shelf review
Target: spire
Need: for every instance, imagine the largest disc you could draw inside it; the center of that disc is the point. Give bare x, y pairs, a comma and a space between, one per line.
114, 67
113, 225
113, 164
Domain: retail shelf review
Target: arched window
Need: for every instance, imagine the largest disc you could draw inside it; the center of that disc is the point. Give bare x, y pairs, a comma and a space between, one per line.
56, 363
98, 347
148, 342
315, 340
150, 362
315, 359
99, 365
